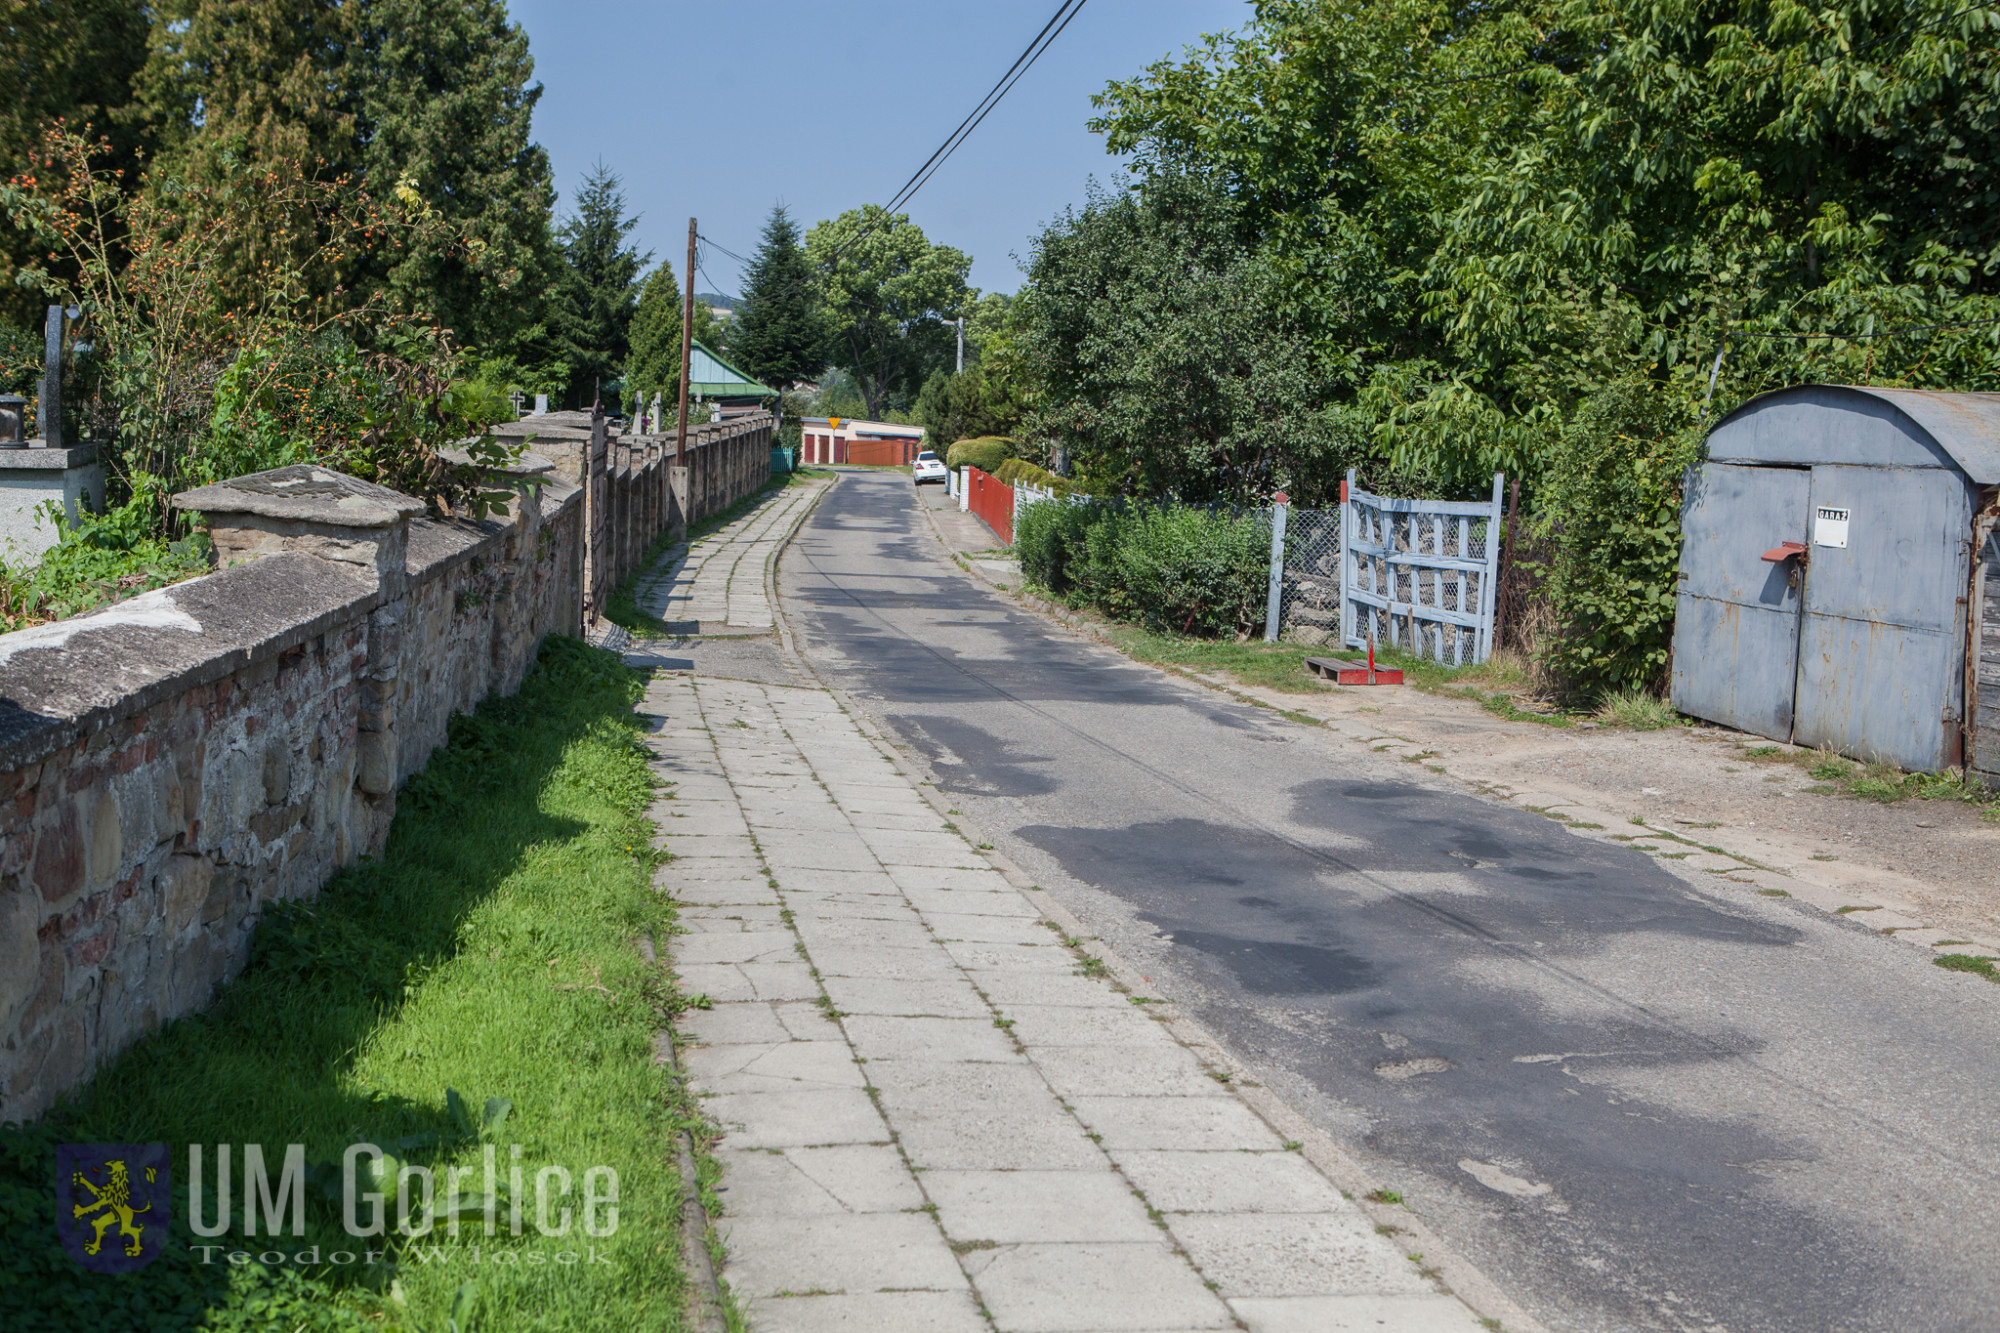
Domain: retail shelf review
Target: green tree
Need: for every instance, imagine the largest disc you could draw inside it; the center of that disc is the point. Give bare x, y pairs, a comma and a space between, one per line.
993, 394
779, 333
76, 61
967, 405
1166, 360
250, 80
432, 99
595, 295
444, 94
887, 291
1489, 214
654, 365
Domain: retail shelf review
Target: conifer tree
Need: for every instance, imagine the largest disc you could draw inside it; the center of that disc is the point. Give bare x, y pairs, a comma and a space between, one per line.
435, 94
250, 80
444, 91
779, 332
654, 365
595, 296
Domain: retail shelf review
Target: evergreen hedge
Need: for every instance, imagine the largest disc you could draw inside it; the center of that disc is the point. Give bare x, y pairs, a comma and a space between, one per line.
986, 453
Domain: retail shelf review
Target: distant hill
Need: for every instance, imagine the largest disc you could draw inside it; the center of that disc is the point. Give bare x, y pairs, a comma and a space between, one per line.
725, 305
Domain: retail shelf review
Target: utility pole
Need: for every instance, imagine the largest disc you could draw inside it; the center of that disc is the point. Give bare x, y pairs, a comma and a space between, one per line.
687, 352
961, 344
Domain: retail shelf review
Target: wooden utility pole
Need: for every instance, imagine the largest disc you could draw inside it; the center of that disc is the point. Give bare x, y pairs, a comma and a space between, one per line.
687, 352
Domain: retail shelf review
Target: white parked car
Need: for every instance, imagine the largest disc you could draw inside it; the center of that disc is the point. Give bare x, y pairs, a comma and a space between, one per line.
928, 467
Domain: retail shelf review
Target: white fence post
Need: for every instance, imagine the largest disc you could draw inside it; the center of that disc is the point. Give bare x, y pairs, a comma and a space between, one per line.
1274, 602
1488, 593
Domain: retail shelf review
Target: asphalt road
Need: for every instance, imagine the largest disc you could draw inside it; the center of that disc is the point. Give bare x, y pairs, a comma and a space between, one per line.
1637, 1101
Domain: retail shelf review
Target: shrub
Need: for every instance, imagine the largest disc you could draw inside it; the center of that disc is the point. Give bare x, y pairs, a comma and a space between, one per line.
1049, 542
1189, 571
100, 558
1611, 500
986, 453
1173, 568
1019, 471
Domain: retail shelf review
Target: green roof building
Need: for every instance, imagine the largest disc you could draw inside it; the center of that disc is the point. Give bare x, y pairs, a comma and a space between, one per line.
713, 380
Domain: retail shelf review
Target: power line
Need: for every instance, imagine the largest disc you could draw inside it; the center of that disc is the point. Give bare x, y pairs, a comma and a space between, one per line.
716, 287
1051, 30
722, 249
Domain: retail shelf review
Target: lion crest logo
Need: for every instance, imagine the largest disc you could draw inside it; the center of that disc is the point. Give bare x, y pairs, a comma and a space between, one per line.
112, 1201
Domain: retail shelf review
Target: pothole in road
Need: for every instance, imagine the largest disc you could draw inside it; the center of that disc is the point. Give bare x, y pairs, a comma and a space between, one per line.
1398, 1070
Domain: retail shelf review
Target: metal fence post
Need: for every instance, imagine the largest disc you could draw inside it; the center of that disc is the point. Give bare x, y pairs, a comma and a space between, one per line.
1274, 602
1348, 633
1487, 589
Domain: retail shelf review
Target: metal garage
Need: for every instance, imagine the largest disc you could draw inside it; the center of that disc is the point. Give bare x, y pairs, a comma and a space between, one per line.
1840, 575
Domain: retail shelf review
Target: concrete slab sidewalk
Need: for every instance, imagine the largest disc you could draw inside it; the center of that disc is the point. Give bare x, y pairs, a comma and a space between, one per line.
936, 1111
717, 585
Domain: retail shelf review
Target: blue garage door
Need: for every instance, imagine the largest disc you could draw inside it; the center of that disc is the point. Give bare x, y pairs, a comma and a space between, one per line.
1736, 629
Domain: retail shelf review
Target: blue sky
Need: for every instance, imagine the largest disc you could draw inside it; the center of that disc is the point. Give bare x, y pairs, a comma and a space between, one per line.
720, 109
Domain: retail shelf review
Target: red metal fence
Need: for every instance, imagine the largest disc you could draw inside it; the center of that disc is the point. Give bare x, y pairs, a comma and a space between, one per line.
993, 500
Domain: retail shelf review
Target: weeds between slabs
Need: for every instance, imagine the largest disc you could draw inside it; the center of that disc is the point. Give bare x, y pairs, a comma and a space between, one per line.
490, 949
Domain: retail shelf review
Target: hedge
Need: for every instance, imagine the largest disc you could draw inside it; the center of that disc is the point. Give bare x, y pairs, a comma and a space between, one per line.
1170, 567
987, 453
1020, 472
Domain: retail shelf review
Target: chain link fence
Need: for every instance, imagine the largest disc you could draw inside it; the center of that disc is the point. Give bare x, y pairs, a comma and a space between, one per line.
1310, 610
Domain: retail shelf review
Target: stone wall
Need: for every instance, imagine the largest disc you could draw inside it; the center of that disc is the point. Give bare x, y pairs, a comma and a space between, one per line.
635, 489
172, 763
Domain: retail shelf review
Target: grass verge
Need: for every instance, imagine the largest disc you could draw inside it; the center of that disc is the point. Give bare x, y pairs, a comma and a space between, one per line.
1884, 784
1495, 685
489, 951
1275, 666
622, 607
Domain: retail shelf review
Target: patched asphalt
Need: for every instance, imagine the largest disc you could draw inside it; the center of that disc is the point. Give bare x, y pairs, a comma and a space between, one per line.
1637, 1101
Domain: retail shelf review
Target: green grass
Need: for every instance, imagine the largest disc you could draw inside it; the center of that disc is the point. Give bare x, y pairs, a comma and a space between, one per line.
622, 607
1965, 962
1499, 685
1275, 666
1282, 666
1638, 710
489, 950
1884, 784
